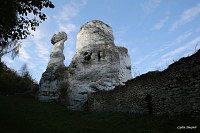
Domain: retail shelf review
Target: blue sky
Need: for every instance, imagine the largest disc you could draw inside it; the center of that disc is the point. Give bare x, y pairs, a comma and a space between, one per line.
156, 32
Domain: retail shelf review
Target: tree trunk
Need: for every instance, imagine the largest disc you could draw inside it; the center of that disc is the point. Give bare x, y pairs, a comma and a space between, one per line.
1, 55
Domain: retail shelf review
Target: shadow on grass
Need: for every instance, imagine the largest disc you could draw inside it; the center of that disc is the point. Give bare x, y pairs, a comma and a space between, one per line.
18, 115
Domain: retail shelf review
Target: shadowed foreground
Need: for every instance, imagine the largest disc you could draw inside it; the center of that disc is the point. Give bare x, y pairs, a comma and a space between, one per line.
28, 115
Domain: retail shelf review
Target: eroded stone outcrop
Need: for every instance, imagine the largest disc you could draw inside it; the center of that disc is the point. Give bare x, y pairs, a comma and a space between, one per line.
57, 57
94, 33
97, 65
90, 81
49, 83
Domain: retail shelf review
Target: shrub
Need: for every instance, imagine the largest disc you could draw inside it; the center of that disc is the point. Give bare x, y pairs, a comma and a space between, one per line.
12, 83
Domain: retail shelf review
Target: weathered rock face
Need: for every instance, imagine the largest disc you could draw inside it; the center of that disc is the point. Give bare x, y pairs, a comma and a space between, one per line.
125, 65
94, 33
57, 57
49, 82
97, 65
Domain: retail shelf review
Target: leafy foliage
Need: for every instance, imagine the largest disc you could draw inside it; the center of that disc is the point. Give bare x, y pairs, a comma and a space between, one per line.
11, 82
12, 47
15, 24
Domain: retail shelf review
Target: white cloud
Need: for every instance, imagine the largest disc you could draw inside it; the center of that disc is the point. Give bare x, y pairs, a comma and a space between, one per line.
31, 65
8, 60
23, 55
42, 48
67, 13
161, 23
140, 60
187, 16
84, 2
188, 54
174, 52
70, 54
167, 57
68, 51
133, 50
197, 29
120, 42
150, 5
120, 32
190, 45
42, 45
177, 41
152, 54
42, 51
68, 28
180, 39
38, 34
163, 63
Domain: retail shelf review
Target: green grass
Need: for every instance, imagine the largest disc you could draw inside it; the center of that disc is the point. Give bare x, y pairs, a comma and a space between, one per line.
18, 115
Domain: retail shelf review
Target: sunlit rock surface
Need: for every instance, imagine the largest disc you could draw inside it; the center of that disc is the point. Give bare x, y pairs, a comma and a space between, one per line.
97, 65
49, 83
94, 33
57, 57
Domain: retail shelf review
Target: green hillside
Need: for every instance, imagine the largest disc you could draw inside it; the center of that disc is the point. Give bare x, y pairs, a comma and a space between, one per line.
27, 115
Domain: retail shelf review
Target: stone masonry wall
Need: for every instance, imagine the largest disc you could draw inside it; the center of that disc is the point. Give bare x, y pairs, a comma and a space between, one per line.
174, 90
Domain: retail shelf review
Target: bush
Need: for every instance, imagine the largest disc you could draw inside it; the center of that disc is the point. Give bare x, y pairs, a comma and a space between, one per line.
12, 83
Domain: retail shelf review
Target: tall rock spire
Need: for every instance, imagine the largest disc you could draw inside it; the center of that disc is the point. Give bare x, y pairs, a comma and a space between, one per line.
57, 57
49, 83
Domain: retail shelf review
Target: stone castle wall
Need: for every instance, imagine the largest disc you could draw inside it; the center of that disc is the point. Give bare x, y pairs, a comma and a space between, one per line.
174, 90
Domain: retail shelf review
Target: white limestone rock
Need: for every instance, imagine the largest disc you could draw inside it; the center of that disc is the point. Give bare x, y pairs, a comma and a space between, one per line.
125, 65
60, 36
97, 65
92, 70
49, 84
57, 57
94, 33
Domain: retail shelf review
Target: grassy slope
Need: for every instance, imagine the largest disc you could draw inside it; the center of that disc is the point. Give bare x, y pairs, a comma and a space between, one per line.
19, 115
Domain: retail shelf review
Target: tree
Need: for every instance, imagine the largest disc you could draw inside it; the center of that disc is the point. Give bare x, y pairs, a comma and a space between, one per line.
16, 25
12, 47
24, 70
11, 82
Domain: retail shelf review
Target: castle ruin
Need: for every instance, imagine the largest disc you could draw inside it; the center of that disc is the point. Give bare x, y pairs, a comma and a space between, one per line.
97, 65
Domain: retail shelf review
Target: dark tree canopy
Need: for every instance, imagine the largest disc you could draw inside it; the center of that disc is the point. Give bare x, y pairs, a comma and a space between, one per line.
14, 21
